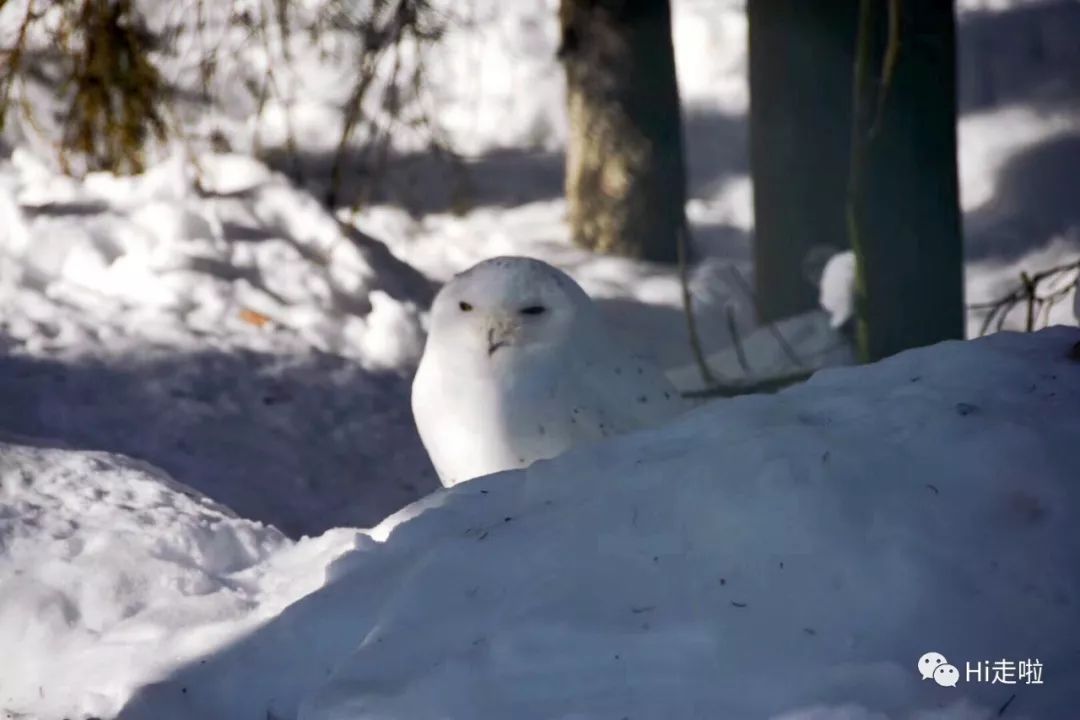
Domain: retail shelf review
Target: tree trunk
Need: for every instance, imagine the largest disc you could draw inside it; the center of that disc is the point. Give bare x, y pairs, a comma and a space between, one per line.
801, 60
625, 174
904, 212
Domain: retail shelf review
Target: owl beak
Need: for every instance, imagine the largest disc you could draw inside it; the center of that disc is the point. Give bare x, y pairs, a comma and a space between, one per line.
493, 344
501, 332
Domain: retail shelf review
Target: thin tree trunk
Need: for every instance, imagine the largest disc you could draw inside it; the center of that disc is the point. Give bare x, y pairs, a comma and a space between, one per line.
625, 171
904, 212
801, 58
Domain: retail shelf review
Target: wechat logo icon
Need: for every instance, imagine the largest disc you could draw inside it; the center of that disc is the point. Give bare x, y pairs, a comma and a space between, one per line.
934, 666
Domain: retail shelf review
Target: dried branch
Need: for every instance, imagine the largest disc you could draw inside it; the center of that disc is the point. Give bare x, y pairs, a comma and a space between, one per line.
714, 388
682, 242
110, 67
397, 32
764, 385
736, 340
13, 61
116, 89
270, 86
771, 327
1027, 292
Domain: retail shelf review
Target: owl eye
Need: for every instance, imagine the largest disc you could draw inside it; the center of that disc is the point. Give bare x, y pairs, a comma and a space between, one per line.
465, 307
533, 310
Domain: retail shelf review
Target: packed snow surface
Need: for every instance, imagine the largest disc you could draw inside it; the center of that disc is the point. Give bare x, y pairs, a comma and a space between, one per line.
111, 573
770, 556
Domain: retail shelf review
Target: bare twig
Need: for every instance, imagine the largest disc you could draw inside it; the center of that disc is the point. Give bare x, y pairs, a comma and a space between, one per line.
714, 388
733, 330
1029, 295
682, 243
13, 61
989, 319
764, 385
118, 102
771, 327
382, 34
1003, 708
270, 87
1005, 313
1045, 306
1028, 292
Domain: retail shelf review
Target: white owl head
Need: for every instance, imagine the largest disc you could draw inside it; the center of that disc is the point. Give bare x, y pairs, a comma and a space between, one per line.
510, 307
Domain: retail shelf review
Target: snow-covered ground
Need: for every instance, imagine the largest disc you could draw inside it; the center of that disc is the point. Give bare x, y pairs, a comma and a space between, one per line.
772, 556
233, 333
212, 319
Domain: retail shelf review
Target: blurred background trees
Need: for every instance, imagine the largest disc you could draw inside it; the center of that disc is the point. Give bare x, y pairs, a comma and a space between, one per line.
801, 72
102, 62
625, 171
904, 204
100, 59
852, 125
853, 142
116, 90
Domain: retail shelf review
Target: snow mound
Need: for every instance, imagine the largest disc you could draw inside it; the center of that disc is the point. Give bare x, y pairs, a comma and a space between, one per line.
770, 556
103, 558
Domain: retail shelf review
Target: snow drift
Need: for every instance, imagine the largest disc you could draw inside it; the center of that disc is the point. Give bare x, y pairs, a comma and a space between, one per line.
769, 556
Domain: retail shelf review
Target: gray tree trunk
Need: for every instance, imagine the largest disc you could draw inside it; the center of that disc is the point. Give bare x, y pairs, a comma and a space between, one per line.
904, 214
625, 173
801, 68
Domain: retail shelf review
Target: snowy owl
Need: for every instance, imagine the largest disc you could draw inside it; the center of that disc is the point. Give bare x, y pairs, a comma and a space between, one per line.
518, 367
